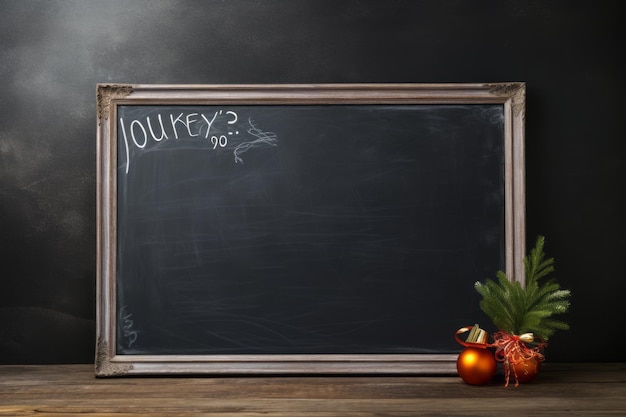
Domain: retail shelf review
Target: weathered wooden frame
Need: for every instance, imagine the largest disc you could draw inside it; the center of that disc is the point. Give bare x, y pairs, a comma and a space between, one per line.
108, 363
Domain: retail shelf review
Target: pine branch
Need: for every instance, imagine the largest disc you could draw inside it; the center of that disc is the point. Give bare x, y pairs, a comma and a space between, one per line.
516, 309
536, 267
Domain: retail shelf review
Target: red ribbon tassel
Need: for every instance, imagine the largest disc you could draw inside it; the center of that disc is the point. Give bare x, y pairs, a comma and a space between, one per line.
512, 351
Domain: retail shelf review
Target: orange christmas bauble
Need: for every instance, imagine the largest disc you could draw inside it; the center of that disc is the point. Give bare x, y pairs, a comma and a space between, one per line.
476, 366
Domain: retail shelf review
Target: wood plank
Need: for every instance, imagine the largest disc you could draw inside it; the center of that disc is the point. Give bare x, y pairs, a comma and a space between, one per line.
560, 389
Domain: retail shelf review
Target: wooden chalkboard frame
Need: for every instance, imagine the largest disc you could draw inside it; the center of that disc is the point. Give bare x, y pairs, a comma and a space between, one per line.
110, 96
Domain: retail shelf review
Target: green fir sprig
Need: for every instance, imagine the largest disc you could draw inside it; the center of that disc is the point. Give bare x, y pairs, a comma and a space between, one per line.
518, 309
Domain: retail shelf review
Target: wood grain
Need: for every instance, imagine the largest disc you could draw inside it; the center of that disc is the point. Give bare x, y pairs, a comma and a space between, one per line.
66, 390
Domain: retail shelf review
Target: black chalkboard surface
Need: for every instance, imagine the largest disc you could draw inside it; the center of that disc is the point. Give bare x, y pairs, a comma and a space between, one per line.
277, 231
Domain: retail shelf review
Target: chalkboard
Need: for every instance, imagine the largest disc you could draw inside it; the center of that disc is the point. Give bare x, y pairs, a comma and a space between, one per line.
293, 228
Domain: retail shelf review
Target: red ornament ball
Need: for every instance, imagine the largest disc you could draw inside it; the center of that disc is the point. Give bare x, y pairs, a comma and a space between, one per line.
525, 370
476, 366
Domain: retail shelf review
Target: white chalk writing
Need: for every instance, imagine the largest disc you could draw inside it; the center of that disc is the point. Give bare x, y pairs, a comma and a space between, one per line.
130, 335
216, 127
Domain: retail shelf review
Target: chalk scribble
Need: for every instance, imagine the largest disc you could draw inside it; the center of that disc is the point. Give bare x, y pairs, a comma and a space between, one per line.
263, 139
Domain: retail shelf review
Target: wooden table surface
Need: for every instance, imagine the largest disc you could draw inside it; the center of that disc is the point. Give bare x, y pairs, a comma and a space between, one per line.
70, 390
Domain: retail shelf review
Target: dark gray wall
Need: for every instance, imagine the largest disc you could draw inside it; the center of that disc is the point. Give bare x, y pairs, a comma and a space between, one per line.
52, 54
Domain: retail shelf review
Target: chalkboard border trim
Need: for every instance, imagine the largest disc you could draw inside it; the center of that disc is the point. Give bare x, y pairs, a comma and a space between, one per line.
107, 364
